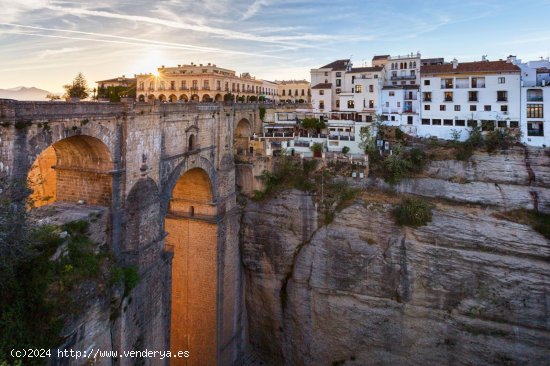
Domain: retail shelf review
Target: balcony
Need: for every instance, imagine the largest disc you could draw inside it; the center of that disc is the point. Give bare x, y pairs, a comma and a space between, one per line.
535, 132
404, 77
502, 99
448, 99
410, 97
534, 98
427, 99
184, 88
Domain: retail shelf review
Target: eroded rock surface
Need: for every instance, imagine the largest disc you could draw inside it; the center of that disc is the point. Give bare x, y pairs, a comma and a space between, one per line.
467, 289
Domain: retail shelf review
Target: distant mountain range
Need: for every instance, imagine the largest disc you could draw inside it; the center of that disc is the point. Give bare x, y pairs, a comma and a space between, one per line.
24, 93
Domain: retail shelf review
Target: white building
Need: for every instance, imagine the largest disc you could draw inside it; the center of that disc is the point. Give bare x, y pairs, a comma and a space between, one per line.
327, 83
535, 99
361, 93
457, 96
400, 101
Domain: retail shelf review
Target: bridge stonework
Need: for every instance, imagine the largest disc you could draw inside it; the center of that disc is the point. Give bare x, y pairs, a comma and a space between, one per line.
141, 151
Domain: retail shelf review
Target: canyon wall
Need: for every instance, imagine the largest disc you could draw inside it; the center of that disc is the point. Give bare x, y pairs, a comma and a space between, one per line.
468, 288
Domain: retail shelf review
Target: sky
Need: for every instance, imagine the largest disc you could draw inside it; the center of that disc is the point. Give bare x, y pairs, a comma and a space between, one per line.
45, 43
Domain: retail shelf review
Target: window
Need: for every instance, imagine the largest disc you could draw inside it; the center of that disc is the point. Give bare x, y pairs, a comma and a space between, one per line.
338, 82
504, 108
321, 92
376, 76
535, 111
409, 120
501, 124
472, 96
457, 108
478, 82
338, 90
353, 79
358, 88
534, 95
502, 96
501, 80
337, 103
472, 123
321, 105
206, 85
436, 122
338, 74
392, 94
487, 125
426, 82
387, 104
514, 124
195, 84
448, 96
447, 122
442, 107
398, 104
460, 123
326, 73
473, 108
371, 103
371, 88
393, 118
446, 83
487, 108
427, 96
394, 74
351, 104
425, 121
535, 129
426, 107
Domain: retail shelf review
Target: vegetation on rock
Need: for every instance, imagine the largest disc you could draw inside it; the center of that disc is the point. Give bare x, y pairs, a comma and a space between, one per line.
413, 212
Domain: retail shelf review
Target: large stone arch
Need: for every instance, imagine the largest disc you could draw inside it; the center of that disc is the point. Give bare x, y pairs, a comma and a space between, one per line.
142, 219
72, 169
192, 236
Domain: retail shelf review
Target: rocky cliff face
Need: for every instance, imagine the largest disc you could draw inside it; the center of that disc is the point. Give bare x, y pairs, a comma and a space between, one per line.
469, 288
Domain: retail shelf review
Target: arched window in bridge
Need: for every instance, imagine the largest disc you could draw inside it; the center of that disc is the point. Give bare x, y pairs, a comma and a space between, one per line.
191, 145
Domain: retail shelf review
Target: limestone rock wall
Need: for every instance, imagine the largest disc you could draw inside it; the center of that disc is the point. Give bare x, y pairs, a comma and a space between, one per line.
467, 289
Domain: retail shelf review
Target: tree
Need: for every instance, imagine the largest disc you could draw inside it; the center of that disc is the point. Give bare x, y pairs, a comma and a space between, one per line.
345, 150
53, 97
78, 88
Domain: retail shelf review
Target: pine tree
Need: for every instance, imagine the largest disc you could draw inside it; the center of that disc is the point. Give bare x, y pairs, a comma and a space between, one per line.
78, 89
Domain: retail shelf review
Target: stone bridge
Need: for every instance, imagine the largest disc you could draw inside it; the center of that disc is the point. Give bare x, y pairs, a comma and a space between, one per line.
166, 173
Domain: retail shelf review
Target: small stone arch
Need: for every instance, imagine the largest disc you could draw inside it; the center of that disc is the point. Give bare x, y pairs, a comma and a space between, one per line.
206, 98
162, 98
173, 98
242, 134
142, 223
151, 97
184, 98
141, 98
195, 98
219, 98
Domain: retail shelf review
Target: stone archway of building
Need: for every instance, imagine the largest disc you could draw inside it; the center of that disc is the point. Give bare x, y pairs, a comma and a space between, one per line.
141, 98
172, 98
206, 98
74, 169
151, 97
243, 131
184, 98
195, 98
218, 98
162, 98
192, 234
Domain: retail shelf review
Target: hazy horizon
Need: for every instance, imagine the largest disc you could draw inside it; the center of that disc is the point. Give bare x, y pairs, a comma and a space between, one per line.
46, 43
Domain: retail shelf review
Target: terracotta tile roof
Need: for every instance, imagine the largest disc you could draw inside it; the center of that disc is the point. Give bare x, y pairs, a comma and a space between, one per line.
126, 80
366, 69
323, 86
337, 65
470, 67
381, 57
543, 70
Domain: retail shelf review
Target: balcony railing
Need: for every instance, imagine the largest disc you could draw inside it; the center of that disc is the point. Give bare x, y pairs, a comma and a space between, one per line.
404, 77
448, 99
410, 97
502, 99
533, 132
472, 99
427, 99
534, 99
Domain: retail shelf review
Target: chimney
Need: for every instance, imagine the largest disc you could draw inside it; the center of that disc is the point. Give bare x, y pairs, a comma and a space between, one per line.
455, 63
484, 58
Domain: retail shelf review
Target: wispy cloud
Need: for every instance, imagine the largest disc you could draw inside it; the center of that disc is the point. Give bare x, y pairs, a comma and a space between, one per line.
254, 8
56, 52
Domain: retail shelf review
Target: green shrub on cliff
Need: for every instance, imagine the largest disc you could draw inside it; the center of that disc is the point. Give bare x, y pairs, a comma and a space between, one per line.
413, 212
